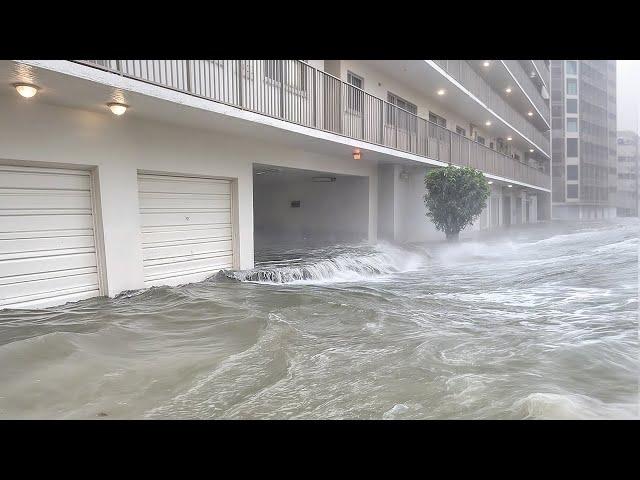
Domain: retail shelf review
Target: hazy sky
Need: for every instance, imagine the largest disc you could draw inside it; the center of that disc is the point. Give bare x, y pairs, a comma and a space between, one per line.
628, 94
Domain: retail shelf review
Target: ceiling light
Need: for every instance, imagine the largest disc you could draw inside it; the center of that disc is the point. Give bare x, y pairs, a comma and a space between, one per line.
442, 91
510, 186
531, 150
356, 154
486, 63
490, 182
26, 90
487, 123
530, 114
508, 90
509, 138
117, 108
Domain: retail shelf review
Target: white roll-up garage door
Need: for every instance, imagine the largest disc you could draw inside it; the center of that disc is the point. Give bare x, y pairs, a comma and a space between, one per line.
47, 242
186, 227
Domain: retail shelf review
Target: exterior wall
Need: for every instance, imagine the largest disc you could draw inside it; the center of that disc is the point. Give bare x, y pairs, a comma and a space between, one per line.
117, 147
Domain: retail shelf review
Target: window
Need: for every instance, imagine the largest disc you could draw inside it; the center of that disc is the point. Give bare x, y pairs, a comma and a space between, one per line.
571, 67
572, 105
355, 97
572, 191
402, 103
556, 110
572, 147
572, 172
572, 124
480, 139
556, 123
437, 119
403, 119
461, 131
572, 86
273, 69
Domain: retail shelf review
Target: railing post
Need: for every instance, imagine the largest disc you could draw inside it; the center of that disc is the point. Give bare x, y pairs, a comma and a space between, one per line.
240, 93
450, 147
188, 77
314, 100
382, 123
281, 63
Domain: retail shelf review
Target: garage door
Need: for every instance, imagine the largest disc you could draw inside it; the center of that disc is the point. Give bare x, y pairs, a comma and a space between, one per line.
47, 243
186, 228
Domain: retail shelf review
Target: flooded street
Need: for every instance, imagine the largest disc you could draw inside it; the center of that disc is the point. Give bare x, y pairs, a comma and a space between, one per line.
540, 324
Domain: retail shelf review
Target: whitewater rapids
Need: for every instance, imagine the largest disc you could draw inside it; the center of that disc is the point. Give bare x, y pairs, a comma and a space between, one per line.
539, 324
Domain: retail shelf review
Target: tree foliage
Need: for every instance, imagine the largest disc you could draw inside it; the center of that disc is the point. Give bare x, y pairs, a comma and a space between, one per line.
455, 198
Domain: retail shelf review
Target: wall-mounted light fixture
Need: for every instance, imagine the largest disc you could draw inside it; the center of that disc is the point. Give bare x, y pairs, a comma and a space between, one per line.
26, 90
356, 154
531, 150
117, 108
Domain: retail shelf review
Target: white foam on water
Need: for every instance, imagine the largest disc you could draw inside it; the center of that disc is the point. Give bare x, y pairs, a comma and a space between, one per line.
384, 260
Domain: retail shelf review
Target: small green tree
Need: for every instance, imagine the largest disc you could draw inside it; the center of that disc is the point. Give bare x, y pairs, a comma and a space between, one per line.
455, 198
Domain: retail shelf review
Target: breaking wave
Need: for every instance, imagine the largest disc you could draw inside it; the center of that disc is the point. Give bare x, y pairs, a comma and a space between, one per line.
382, 259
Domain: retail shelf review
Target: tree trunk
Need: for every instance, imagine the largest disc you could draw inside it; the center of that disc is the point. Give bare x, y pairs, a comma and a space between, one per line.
452, 237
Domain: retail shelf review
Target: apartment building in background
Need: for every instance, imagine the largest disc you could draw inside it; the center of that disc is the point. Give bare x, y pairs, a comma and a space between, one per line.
584, 138
124, 174
627, 200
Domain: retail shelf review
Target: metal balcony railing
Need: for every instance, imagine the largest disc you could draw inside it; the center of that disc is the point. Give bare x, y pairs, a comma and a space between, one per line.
523, 78
472, 81
296, 92
543, 70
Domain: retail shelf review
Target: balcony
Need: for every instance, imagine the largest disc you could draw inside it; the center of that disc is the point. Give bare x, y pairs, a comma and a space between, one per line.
543, 70
461, 71
294, 91
528, 87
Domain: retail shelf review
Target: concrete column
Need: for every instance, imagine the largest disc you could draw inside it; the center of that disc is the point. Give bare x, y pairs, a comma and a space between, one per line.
120, 226
373, 208
243, 220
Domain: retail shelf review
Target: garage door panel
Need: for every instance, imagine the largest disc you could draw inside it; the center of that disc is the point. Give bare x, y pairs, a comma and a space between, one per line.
38, 179
186, 228
25, 266
153, 201
206, 264
185, 218
184, 185
48, 286
44, 199
187, 249
47, 244
159, 236
45, 299
45, 221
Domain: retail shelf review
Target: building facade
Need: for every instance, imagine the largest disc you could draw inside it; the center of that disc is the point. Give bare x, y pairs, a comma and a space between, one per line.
628, 162
124, 174
583, 116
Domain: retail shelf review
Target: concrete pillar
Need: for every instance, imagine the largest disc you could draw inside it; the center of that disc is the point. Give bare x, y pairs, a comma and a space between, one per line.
117, 183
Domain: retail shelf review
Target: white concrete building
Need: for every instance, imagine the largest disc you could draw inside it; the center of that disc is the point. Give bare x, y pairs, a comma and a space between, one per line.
214, 159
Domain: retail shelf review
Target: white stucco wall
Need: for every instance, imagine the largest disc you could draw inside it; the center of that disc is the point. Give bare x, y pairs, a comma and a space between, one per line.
117, 147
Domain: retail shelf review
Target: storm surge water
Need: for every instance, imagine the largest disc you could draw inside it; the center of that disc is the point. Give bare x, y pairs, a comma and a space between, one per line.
539, 323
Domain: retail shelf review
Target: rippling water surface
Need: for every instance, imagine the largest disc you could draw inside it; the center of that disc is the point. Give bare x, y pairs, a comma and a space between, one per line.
540, 324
